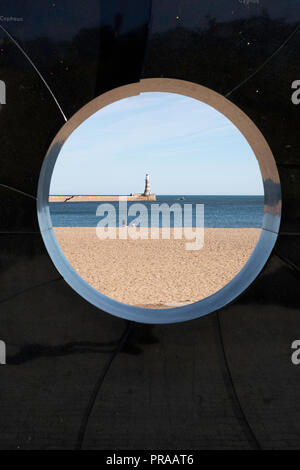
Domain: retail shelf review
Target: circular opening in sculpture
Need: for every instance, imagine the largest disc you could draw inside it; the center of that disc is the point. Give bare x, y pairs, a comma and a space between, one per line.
159, 201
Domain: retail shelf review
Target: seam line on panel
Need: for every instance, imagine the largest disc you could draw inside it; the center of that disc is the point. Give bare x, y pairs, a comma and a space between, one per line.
147, 42
265, 62
11, 232
289, 166
35, 68
252, 439
11, 188
7, 299
268, 230
289, 234
286, 261
93, 397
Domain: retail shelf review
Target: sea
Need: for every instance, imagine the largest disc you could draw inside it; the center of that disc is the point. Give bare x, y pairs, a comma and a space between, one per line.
219, 212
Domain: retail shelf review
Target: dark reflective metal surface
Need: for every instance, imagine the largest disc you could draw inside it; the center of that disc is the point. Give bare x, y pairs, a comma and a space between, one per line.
24, 264
249, 54
223, 381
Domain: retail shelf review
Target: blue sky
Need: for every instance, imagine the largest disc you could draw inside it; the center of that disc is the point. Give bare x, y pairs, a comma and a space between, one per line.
186, 146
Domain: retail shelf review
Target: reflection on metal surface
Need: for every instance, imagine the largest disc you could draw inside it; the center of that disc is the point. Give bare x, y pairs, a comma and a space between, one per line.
272, 204
36, 69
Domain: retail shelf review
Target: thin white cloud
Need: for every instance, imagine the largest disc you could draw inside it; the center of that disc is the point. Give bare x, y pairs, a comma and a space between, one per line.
111, 150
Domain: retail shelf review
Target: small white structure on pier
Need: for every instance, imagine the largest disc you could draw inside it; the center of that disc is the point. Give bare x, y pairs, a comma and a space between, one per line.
147, 191
146, 195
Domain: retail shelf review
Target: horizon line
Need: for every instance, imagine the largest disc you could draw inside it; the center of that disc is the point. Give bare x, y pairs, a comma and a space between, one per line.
161, 194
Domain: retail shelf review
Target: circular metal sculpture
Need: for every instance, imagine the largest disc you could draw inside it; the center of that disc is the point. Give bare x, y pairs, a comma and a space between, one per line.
272, 205
73, 376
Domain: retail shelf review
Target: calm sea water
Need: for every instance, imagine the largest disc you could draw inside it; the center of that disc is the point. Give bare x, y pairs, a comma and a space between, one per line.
219, 211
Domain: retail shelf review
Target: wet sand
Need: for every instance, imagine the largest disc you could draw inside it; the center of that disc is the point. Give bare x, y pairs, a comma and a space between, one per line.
157, 273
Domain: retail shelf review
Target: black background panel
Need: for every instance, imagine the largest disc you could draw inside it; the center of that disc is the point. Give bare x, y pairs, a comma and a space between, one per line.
77, 377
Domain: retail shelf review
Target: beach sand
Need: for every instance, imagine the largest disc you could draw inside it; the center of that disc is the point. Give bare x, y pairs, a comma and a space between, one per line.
157, 273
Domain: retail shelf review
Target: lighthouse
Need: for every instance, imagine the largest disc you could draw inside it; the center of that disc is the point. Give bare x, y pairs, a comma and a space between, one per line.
146, 195
147, 191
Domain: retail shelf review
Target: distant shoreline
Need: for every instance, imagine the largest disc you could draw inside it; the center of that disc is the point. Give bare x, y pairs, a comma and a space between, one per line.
134, 197
92, 198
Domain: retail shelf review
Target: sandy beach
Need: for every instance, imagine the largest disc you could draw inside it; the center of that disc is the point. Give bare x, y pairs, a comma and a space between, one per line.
157, 273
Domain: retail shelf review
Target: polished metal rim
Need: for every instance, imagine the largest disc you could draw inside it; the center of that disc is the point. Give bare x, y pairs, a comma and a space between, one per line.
272, 205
